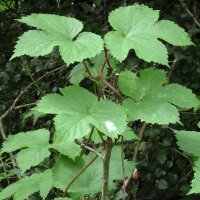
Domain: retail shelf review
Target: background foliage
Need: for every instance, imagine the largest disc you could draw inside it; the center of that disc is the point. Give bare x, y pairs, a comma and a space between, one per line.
165, 172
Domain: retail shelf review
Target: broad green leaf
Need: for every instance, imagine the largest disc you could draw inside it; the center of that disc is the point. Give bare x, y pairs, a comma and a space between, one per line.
70, 149
77, 74
74, 114
60, 31
137, 27
91, 176
151, 100
42, 183
69, 102
34, 145
147, 83
179, 96
195, 186
58, 25
189, 141
151, 111
34, 43
63, 198
129, 85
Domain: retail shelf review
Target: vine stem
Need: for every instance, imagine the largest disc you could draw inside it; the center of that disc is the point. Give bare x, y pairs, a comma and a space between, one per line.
190, 13
105, 81
78, 174
123, 167
135, 155
12, 107
82, 145
106, 165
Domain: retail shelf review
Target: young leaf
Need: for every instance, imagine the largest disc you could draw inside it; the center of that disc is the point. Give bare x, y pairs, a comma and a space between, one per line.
34, 145
150, 100
60, 31
137, 27
74, 114
23, 188
92, 176
78, 73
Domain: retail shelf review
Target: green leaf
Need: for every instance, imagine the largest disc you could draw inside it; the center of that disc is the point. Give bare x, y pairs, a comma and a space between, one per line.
75, 114
60, 31
36, 115
195, 186
77, 74
162, 184
70, 149
198, 124
34, 145
151, 100
34, 43
138, 87
42, 183
188, 141
63, 198
137, 27
179, 96
151, 111
58, 25
92, 176
129, 134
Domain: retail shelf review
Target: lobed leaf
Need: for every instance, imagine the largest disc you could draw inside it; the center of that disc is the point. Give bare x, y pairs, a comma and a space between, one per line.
137, 27
92, 176
152, 101
60, 31
42, 183
34, 145
75, 114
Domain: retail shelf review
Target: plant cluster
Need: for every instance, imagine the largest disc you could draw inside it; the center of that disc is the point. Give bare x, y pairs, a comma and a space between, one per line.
93, 125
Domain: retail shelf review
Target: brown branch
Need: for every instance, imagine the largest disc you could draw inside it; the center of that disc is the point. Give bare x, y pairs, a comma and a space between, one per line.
3, 134
24, 106
82, 145
88, 71
171, 71
78, 174
135, 154
123, 168
105, 81
106, 165
191, 14
12, 107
